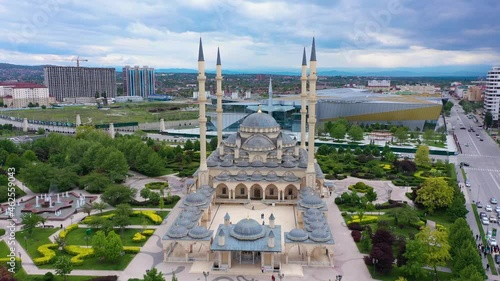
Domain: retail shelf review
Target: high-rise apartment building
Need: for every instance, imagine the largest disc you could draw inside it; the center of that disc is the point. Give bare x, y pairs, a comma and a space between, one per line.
138, 81
74, 82
492, 93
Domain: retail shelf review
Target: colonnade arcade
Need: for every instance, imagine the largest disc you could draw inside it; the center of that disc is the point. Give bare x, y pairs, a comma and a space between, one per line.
257, 191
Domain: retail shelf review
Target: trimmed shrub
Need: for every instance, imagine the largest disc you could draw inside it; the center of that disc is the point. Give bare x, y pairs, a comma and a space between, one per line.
356, 235
355, 226
365, 220
151, 215
360, 187
47, 253
131, 249
108, 278
138, 237
157, 185
68, 229
80, 252
148, 232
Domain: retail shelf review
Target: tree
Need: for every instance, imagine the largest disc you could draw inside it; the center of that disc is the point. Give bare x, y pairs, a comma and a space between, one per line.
145, 192
338, 131
457, 207
196, 145
14, 161
30, 221
87, 208
323, 150
467, 255
371, 195
405, 215
99, 244
415, 260
188, 145
122, 216
435, 193
114, 247
355, 133
95, 182
117, 194
382, 236
30, 156
383, 254
63, 267
154, 198
470, 273
422, 156
428, 135
488, 119
401, 134
213, 144
5, 275
153, 275
100, 206
435, 246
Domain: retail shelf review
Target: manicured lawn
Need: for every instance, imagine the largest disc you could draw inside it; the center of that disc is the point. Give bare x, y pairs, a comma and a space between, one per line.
4, 249
40, 237
396, 273
77, 237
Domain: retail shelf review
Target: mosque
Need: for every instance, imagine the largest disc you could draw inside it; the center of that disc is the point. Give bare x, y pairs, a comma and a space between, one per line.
259, 165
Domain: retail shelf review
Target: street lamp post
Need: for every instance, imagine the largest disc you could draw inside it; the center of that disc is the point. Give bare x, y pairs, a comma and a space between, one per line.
206, 273
72, 219
375, 261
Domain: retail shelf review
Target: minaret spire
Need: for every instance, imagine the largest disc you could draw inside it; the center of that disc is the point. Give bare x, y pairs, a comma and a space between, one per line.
218, 79
311, 169
202, 98
303, 103
270, 101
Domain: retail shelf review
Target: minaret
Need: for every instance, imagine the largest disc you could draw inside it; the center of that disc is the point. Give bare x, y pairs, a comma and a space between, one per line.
303, 105
202, 98
270, 101
218, 79
311, 170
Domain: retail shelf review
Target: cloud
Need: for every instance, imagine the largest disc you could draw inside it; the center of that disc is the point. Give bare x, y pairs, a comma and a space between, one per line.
256, 34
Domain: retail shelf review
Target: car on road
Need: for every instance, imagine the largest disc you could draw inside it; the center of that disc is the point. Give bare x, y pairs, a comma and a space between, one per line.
483, 215
497, 209
464, 164
488, 208
466, 145
477, 135
485, 221
478, 204
493, 200
492, 241
481, 139
493, 219
467, 183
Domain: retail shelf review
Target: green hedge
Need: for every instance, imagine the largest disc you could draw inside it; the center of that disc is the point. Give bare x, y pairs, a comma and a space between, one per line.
47, 253
157, 185
360, 187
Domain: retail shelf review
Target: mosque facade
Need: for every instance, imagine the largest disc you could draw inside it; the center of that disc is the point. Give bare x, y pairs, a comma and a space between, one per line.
257, 164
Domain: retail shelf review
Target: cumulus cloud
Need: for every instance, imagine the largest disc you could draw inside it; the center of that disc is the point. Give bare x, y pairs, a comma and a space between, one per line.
251, 34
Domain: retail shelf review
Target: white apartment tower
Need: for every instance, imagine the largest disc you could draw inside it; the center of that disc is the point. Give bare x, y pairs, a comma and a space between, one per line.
492, 93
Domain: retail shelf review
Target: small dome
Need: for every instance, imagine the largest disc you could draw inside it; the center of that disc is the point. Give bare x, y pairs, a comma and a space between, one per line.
312, 213
287, 139
290, 178
319, 235
231, 139
177, 231
258, 143
227, 217
192, 209
248, 229
242, 164
226, 163
198, 232
302, 164
312, 201
206, 192
259, 120
315, 225
222, 176
313, 219
189, 216
297, 234
272, 164
211, 163
241, 176
257, 164
272, 177
306, 191
288, 164
288, 158
195, 199
187, 223
257, 177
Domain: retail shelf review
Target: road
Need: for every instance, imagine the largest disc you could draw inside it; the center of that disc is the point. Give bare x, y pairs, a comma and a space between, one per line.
482, 156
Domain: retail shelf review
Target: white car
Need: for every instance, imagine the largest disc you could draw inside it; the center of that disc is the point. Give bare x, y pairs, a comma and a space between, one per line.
497, 209
488, 208
492, 241
485, 221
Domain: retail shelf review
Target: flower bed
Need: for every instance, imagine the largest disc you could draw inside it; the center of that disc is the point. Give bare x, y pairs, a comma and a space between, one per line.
80, 252
157, 185
148, 232
138, 237
131, 249
365, 220
151, 215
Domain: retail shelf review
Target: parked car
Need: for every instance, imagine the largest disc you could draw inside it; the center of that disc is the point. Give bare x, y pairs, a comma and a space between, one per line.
467, 183
478, 204
493, 200
488, 208
464, 164
493, 219
492, 241
485, 221
481, 139
497, 259
483, 215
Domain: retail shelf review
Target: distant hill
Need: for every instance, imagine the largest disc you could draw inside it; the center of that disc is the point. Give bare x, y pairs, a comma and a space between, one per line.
16, 66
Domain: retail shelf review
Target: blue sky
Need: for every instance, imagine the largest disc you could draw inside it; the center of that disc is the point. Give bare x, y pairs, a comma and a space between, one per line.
251, 34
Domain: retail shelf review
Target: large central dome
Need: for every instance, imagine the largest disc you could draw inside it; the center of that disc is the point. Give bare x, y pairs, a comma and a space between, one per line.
259, 120
248, 229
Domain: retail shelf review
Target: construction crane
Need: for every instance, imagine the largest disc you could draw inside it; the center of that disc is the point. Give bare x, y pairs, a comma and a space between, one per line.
78, 60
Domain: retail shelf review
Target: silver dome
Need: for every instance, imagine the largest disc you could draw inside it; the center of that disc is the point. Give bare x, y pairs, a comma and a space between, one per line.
248, 229
319, 235
259, 120
177, 231
258, 142
297, 234
198, 232
312, 201
195, 199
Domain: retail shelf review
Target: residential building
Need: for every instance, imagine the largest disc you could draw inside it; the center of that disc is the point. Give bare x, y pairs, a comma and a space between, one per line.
19, 94
492, 93
419, 89
138, 81
71, 82
379, 83
475, 93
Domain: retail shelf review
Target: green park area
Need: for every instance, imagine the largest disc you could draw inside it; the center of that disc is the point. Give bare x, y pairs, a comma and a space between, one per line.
424, 233
117, 113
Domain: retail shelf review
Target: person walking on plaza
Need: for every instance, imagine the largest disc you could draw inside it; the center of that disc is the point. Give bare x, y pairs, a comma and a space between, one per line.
272, 278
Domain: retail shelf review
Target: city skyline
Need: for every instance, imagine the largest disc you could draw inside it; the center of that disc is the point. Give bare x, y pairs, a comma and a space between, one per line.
251, 35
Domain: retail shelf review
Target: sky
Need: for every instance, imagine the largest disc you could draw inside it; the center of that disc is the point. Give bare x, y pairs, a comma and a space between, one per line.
256, 34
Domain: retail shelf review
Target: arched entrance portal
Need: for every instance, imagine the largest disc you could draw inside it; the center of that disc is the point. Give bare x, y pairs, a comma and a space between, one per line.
256, 192
291, 192
272, 192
